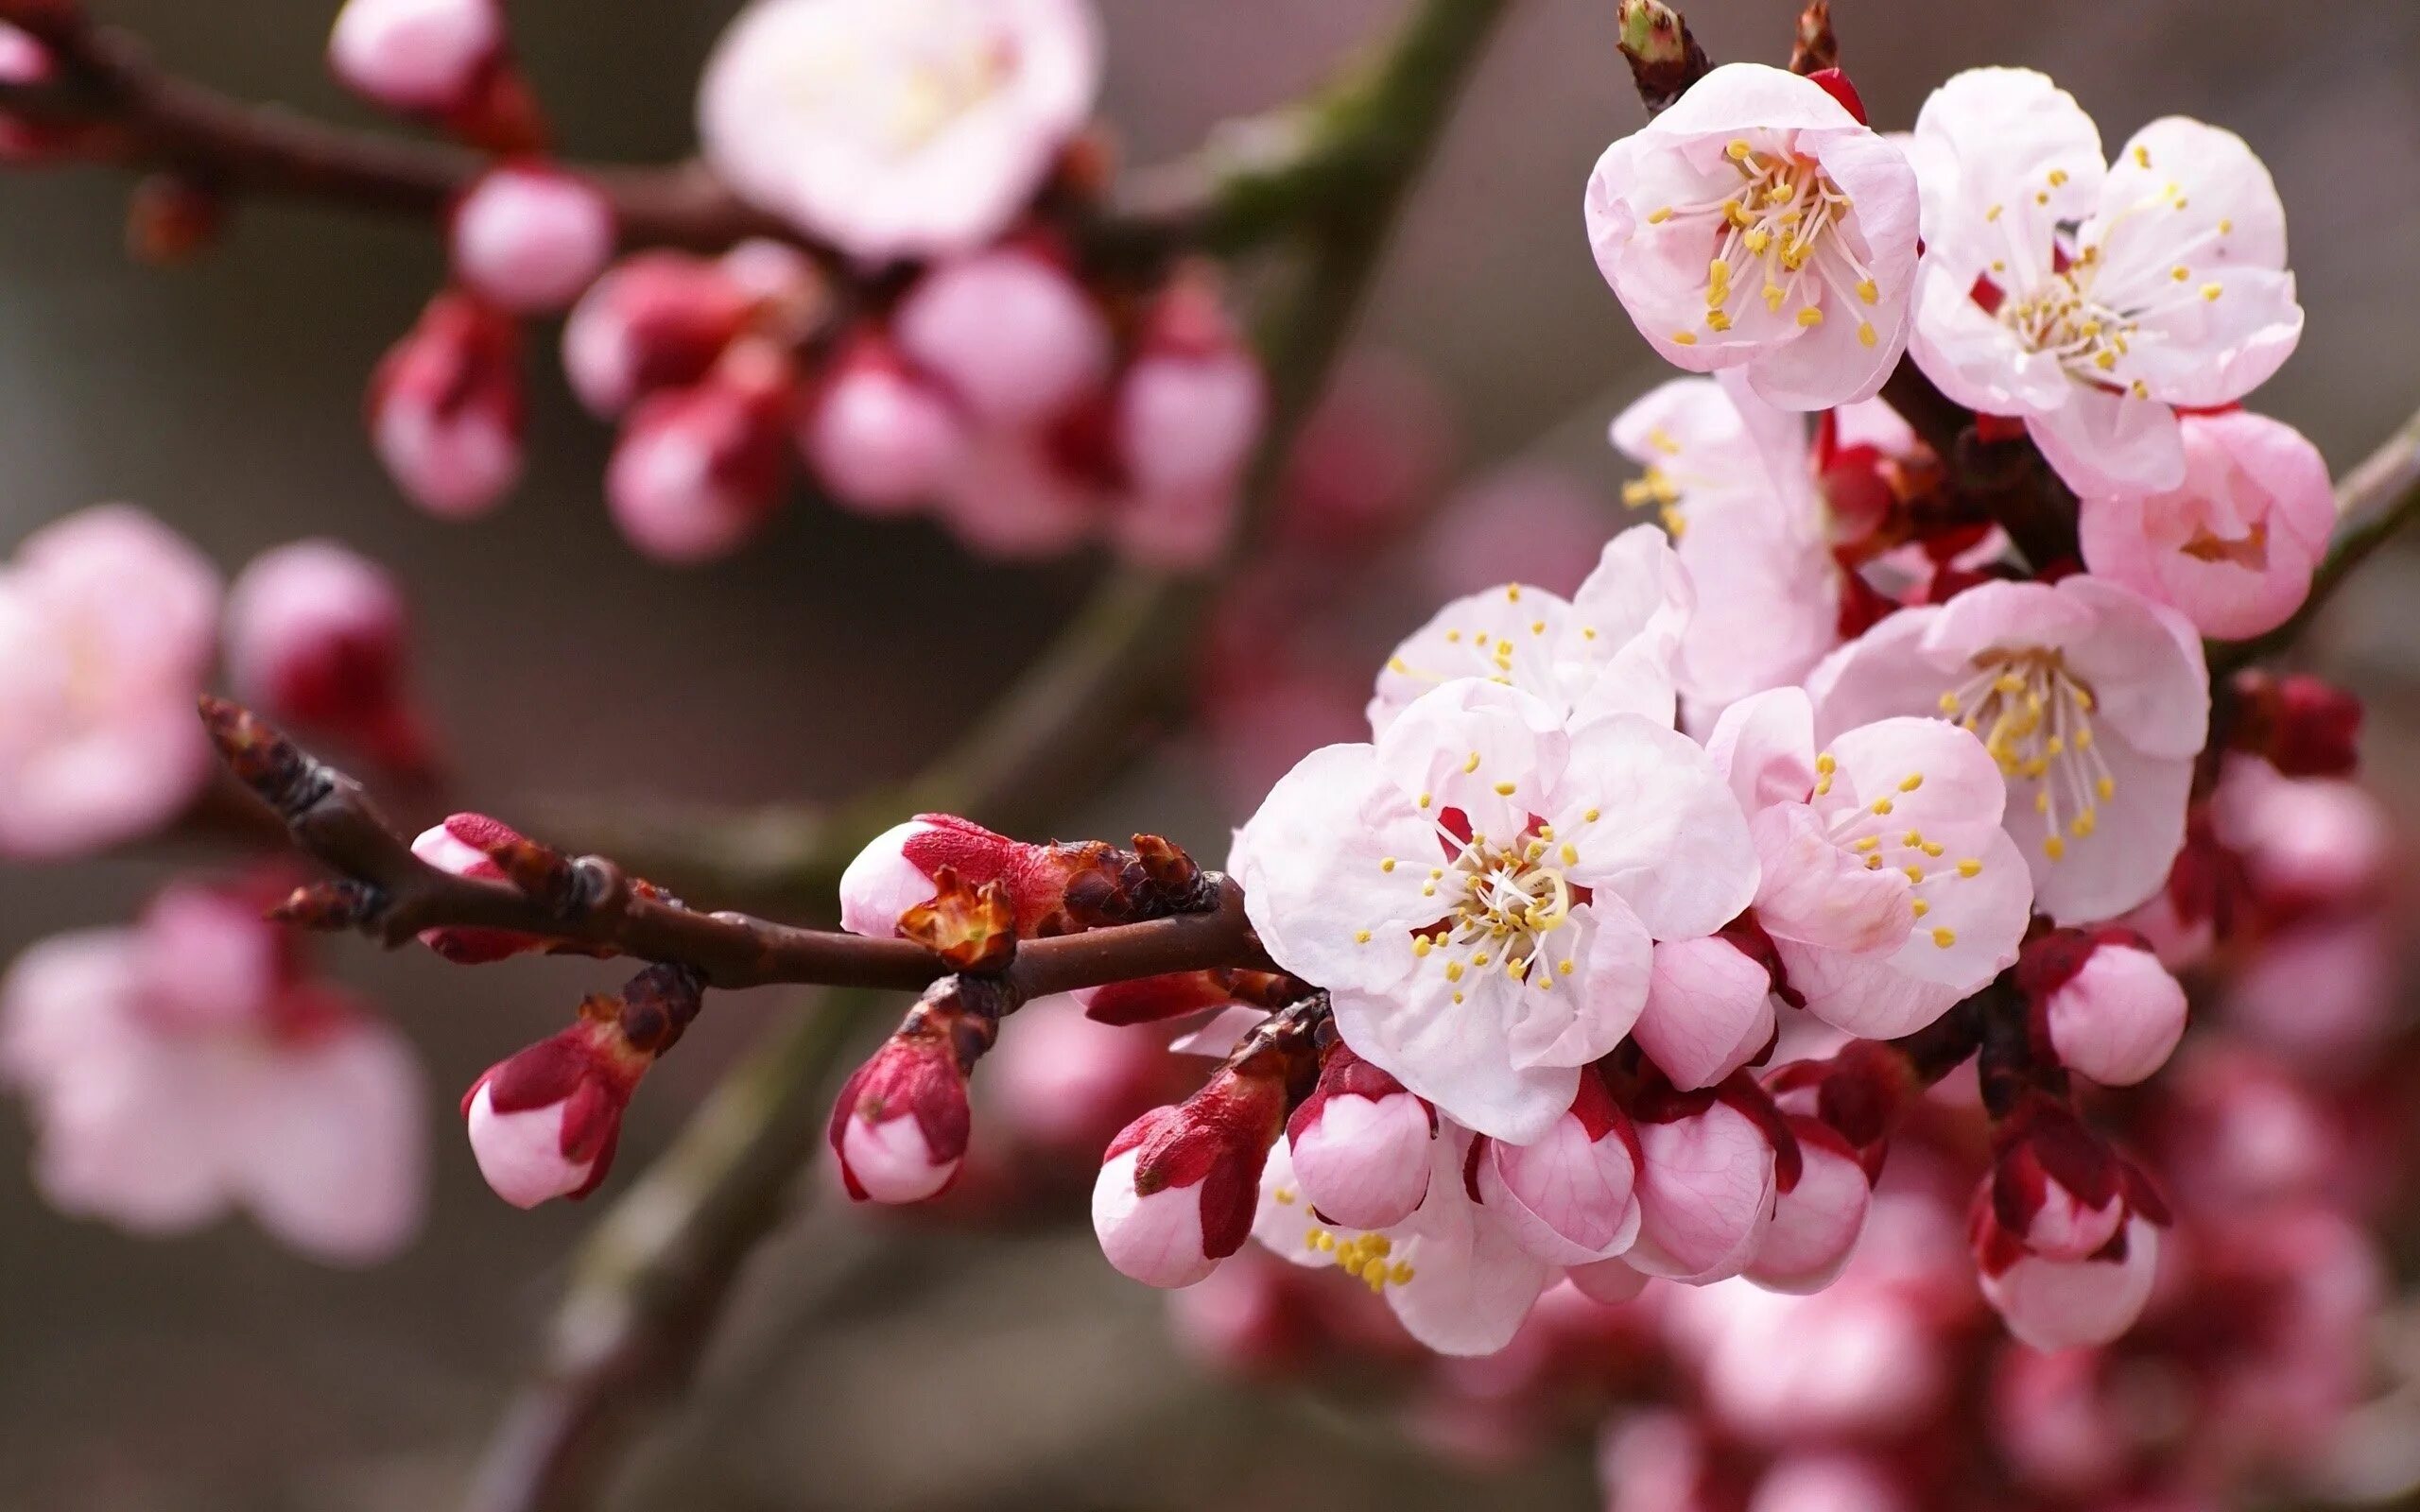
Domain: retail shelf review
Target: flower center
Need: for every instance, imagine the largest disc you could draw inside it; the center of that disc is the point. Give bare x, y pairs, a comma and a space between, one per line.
1502, 904
2035, 719
1870, 832
1775, 243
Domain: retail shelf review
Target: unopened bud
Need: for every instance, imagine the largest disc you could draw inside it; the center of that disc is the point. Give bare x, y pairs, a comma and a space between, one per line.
2065, 1304
170, 219
1361, 1144
446, 410
1178, 1187
1191, 404
1571, 1197
1016, 338
1707, 1184
1816, 1223
317, 635
899, 1128
531, 238
461, 846
881, 438
425, 57
653, 321
699, 470
2303, 725
2111, 1010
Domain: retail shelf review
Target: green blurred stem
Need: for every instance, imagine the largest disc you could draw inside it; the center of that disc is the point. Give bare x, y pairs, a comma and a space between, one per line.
647, 1288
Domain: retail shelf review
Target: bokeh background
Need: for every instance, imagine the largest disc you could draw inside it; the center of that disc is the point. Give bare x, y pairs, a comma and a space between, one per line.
876, 1368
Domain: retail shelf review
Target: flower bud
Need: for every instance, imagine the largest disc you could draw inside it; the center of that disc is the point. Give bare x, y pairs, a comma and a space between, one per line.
427, 57
1055, 889
881, 439
1178, 1188
2112, 1011
699, 470
1705, 1187
899, 1127
1709, 1011
1013, 335
2056, 1189
652, 321
446, 410
316, 636
1570, 1197
531, 238
1816, 1223
2304, 725
546, 1121
1829, 1483
2063, 1304
1361, 1144
459, 846
1191, 404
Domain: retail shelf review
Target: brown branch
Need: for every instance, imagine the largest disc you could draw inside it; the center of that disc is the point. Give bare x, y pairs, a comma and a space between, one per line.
392, 895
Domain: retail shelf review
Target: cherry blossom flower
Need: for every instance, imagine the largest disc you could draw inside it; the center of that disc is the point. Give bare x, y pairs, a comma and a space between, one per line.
1757, 224
1478, 890
2233, 547
897, 128
1452, 1272
317, 635
2093, 700
107, 623
1889, 889
447, 410
1740, 485
531, 238
184, 1067
2171, 292
1608, 650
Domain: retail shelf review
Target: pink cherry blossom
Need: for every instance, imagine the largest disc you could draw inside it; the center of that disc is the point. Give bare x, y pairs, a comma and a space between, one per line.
1569, 1198
2111, 1009
1709, 1011
1888, 887
1757, 224
1610, 649
544, 1123
899, 1127
106, 620
2093, 700
531, 238
1008, 331
1816, 1223
897, 127
447, 410
1705, 1193
182, 1068
2171, 291
1452, 1272
318, 636
415, 55
698, 471
2233, 547
1431, 882
1360, 1143
882, 436
2058, 1304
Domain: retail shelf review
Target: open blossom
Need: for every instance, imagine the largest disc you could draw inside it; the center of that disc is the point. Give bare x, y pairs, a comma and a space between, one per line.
2233, 547
1478, 890
1452, 1272
184, 1067
317, 635
1757, 224
1757, 500
2171, 292
531, 238
2093, 700
107, 624
897, 128
1889, 889
1608, 650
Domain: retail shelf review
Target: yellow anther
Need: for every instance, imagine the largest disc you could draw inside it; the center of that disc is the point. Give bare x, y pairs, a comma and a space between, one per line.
1914, 873
1914, 837
1911, 781
1881, 805
1992, 213
2053, 847
1480, 959
1717, 321
2104, 359
2211, 291
1717, 281
2058, 177
1868, 291
1684, 338
1386, 864
1919, 907
1397, 666
1949, 703
1757, 240
1504, 789
2106, 787
1569, 852
1472, 764
1865, 335
1658, 216
2180, 272
1970, 867
1589, 817
1422, 945
1944, 938
1453, 970
1932, 848
2084, 824
1739, 149
2008, 683
1873, 862
1826, 763
1564, 967
1872, 842
1426, 798
1775, 294
1285, 1197
2142, 156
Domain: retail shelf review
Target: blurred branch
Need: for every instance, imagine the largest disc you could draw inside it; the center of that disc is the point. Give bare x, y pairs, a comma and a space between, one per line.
650, 1287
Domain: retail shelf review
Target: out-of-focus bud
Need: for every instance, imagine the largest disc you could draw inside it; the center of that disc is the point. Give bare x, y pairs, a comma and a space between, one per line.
699, 470
1013, 335
652, 321
2110, 1009
1191, 404
2306, 847
1570, 1197
544, 1123
1360, 1143
1816, 1223
2062, 1304
424, 57
882, 438
171, 219
899, 1128
1708, 1173
1709, 1010
317, 635
2304, 725
460, 845
446, 410
788, 296
531, 238
1664, 58
1829, 1483
2055, 1188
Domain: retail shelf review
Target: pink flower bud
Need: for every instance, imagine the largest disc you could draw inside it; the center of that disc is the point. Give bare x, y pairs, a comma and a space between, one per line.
1361, 1144
531, 238
458, 846
316, 636
900, 1125
1178, 1188
1705, 1187
23, 60
1191, 405
895, 873
653, 321
2062, 1304
881, 439
1816, 1223
1709, 1010
1570, 1197
2113, 1011
699, 470
2056, 1189
544, 1123
428, 56
1016, 338
446, 411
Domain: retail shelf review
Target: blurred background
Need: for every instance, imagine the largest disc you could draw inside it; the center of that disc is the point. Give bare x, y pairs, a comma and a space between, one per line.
878, 1367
